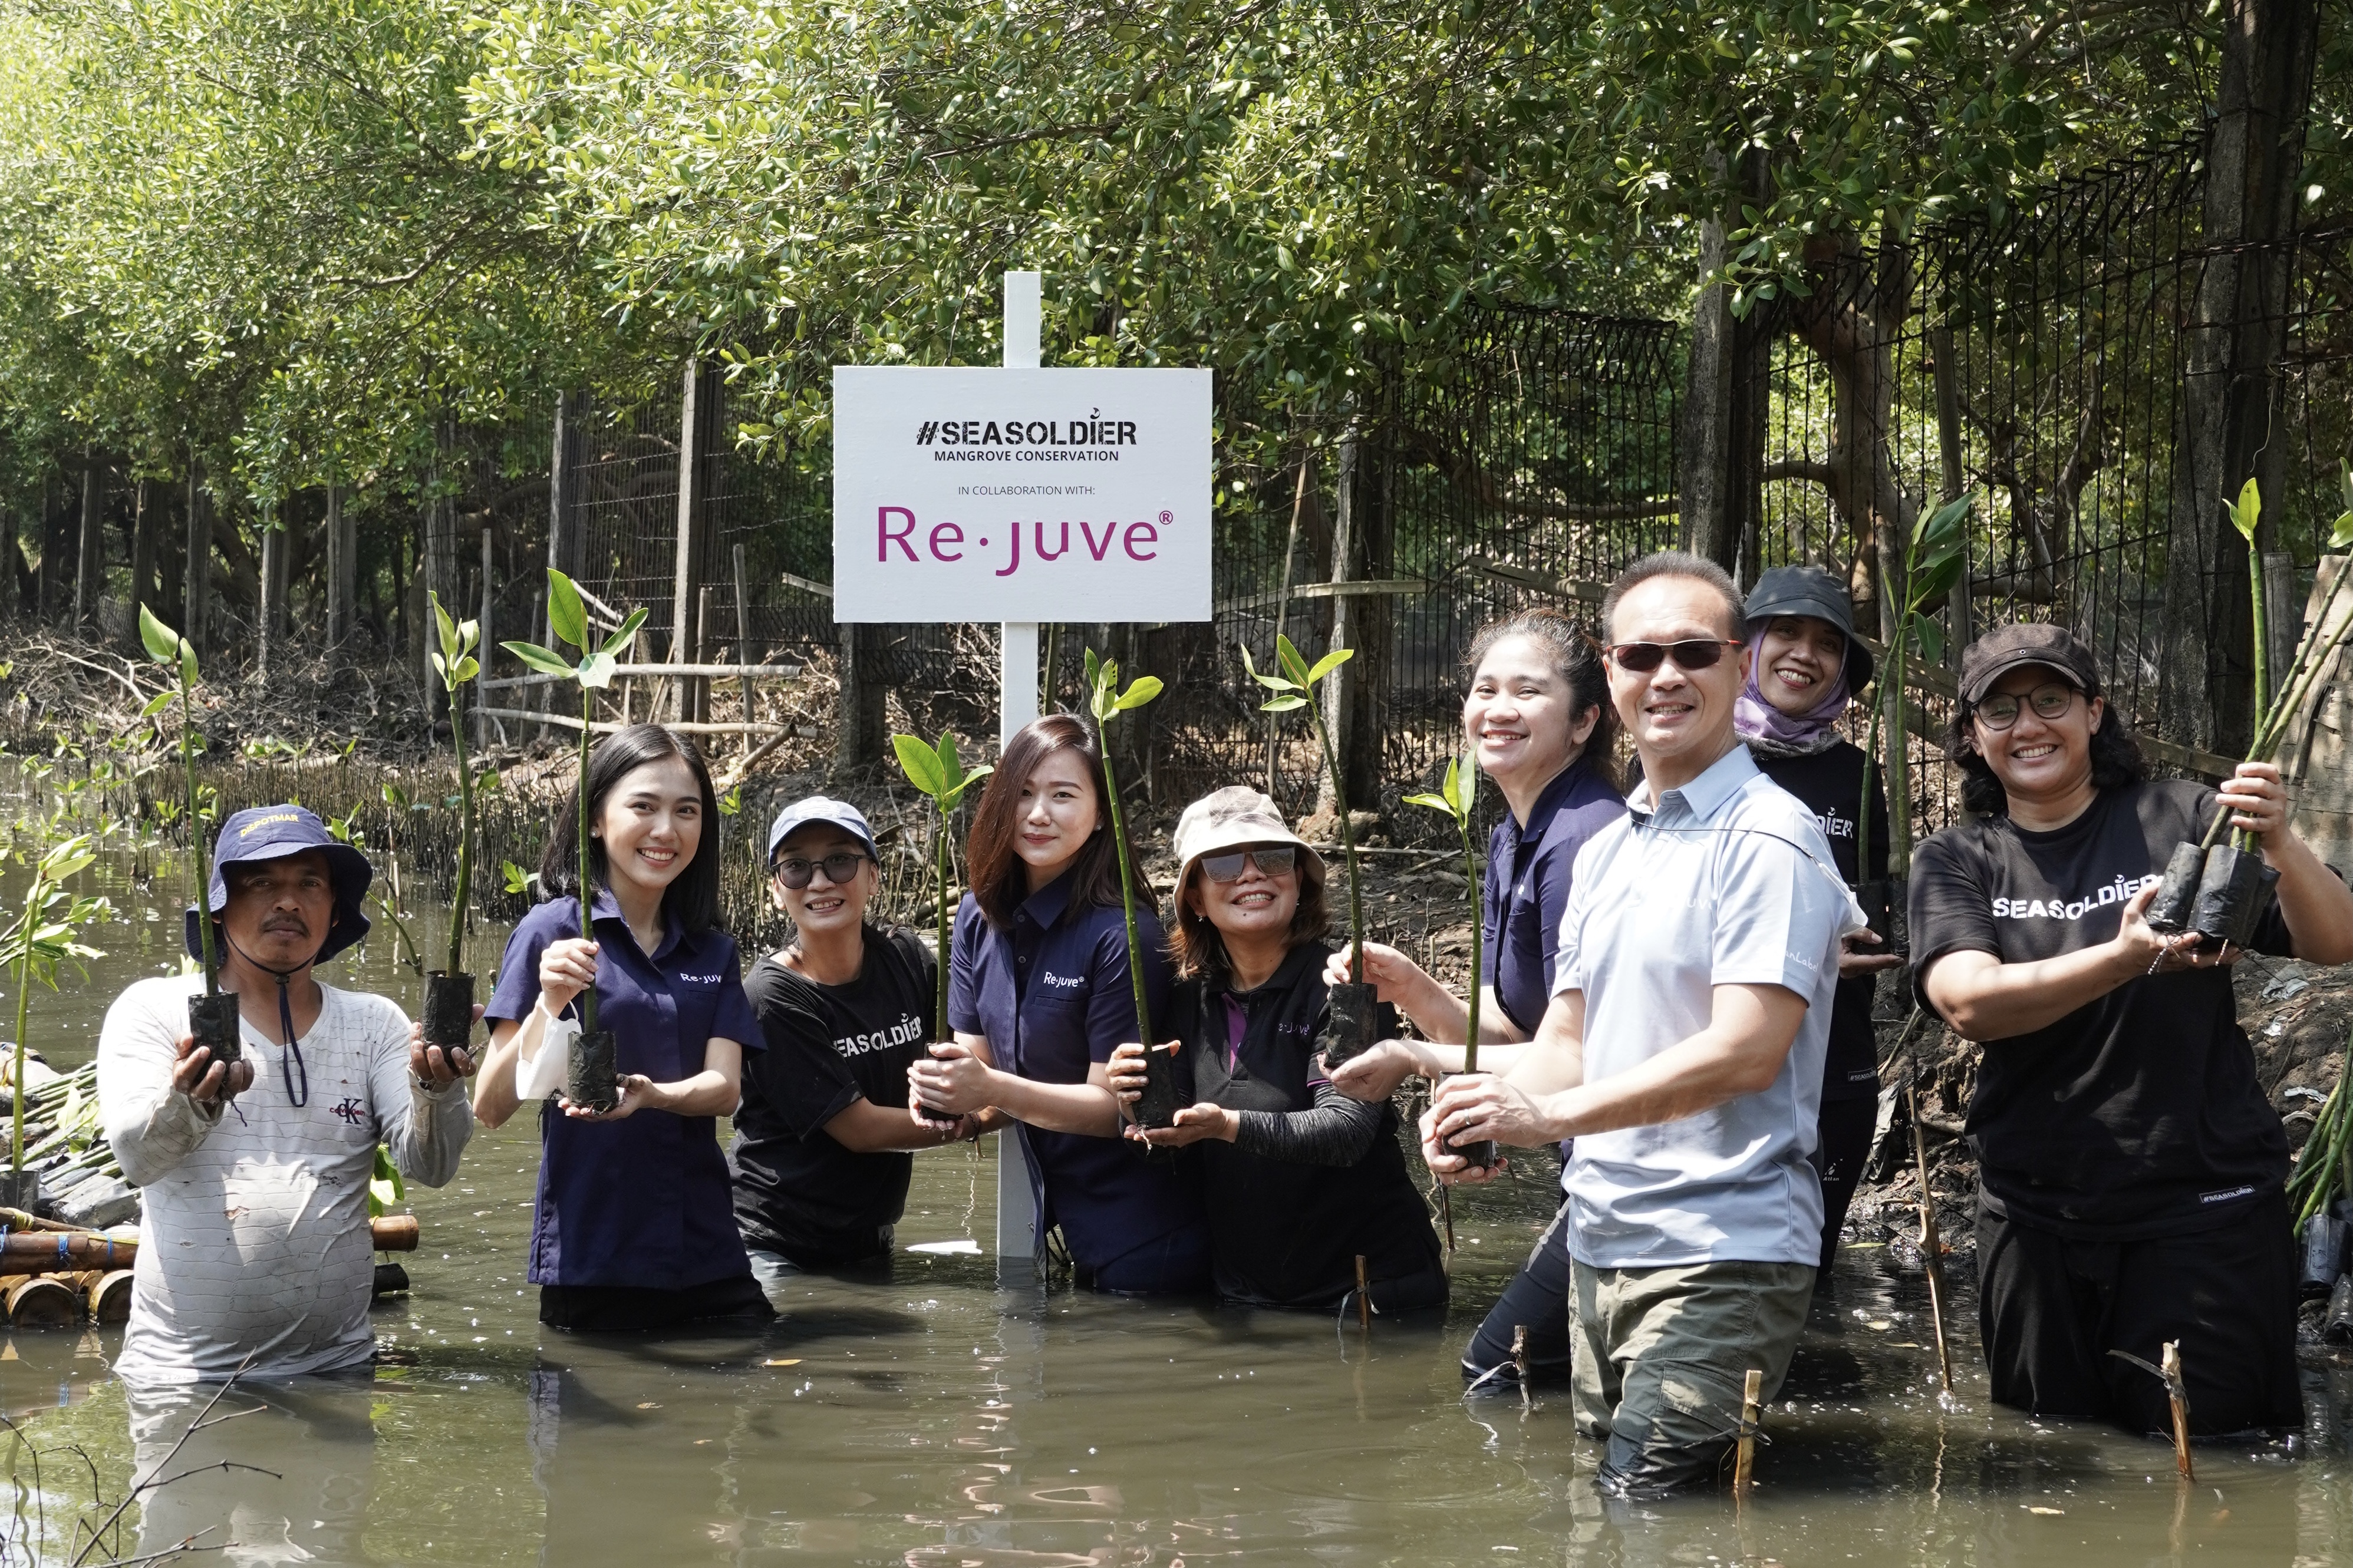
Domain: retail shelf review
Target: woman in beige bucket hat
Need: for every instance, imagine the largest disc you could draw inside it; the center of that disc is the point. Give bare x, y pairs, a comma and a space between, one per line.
1299, 1179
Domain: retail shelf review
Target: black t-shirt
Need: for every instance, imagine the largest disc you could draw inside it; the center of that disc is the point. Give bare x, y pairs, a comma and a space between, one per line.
2138, 1114
1829, 785
797, 1191
1283, 1234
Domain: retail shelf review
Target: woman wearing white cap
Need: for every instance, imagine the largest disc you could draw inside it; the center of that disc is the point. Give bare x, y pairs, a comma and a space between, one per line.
1299, 1179
823, 1149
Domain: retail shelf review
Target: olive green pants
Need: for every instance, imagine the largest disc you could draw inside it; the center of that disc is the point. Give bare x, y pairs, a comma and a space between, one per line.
1663, 1357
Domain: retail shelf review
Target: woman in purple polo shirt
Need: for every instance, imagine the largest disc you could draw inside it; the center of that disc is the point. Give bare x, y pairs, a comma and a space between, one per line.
1039, 997
1538, 714
634, 1226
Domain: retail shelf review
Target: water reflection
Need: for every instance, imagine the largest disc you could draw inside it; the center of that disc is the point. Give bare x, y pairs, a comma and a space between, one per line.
270, 1473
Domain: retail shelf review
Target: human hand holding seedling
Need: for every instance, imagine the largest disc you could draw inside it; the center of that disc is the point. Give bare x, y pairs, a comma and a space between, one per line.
437, 1065
634, 1091
1373, 1076
203, 1079
1395, 978
1451, 1169
1193, 1124
954, 1081
566, 969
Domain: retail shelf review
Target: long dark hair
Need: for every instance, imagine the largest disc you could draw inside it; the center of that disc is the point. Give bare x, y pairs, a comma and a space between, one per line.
690, 903
998, 884
1576, 656
2116, 759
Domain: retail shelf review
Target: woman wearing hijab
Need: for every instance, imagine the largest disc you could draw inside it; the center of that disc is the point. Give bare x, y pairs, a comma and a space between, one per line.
1805, 666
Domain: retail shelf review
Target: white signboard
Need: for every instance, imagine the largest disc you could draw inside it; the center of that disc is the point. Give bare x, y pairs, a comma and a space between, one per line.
980, 494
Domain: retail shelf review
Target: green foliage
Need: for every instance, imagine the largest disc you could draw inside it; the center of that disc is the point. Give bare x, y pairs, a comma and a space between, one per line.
1106, 701
1294, 688
46, 935
1457, 797
937, 772
386, 1186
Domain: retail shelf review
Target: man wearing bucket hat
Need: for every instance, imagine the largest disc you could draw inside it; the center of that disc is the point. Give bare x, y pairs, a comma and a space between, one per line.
255, 1176
2130, 1166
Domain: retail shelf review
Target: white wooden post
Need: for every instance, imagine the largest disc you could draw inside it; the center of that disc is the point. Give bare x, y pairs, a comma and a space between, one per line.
1016, 1212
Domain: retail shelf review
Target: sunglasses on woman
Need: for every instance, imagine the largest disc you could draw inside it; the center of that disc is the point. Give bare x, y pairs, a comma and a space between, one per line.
1693, 653
840, 868
1274, 862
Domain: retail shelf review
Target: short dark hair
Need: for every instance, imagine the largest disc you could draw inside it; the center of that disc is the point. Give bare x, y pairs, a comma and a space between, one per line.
692, 900
2116, 759
1678, 563
1576, 656
998, 885
1196, 948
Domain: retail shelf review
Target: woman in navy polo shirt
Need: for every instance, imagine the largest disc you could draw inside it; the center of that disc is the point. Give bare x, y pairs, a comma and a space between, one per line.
1039, 997
1539, 712
633, 1226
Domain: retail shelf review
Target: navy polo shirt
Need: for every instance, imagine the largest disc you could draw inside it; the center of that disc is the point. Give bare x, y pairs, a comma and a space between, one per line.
645, 1201
1526, 888
1052, 997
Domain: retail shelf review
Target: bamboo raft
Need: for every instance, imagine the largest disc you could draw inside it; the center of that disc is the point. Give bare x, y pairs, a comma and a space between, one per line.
74, 1263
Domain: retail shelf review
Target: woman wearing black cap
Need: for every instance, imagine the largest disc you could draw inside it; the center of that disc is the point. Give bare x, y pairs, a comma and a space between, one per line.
1805, 667
2131, 1171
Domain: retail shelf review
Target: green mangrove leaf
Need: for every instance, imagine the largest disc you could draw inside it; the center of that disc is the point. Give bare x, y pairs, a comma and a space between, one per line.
1930, 636
971, 776
1289, 658
1434, 802
393, 795
1328, 663
1145, 689
596, 670
157, 703
1463, 785
567, 617
2341, 533
187, 661
2247, 510
467, 668
1272, 682
518, 880
1283, 704
625, 635
921, 764
950, 763
161, 642
545, 660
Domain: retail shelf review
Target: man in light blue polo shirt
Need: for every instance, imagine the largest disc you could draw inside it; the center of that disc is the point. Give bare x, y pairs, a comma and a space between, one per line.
1682, 1050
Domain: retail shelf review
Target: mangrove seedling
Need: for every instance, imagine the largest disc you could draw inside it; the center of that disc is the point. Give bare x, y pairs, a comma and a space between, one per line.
1353, 1026
1457, 797
212, 1018
940, 776
1162, 1096
450, 990
1934, 559
2217, 890
594, 1082
45, 934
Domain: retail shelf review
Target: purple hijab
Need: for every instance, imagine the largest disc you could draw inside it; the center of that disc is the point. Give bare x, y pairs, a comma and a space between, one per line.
1754, 718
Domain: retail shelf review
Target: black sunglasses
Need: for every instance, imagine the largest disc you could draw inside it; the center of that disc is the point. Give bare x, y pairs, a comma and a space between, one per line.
1693, 653
840, 868
1276, 861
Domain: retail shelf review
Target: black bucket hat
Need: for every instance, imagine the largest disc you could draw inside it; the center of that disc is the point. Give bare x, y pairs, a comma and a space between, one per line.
1810, 590
2006, 648
272, 832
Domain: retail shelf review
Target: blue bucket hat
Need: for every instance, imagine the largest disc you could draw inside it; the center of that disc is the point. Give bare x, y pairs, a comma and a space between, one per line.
272, 832
818, 808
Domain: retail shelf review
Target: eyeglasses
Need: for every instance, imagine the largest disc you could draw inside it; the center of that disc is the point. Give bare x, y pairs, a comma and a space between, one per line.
1693, 653
840, 868
1276, 861
2001, 710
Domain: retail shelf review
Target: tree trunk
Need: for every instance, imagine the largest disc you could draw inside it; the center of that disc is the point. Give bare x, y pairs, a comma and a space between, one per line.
2236, 336
143, 554
90, 561
1720, 444
1852, 322
198, 574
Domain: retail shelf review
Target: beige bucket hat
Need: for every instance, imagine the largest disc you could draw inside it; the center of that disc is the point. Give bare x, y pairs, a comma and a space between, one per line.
1230, 817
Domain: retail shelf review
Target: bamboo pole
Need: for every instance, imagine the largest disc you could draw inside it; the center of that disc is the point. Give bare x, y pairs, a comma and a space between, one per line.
1751, 1393
2177, 1395
1932, 1246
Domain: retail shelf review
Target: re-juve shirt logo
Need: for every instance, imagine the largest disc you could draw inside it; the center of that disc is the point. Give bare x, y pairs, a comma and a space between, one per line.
2117, 891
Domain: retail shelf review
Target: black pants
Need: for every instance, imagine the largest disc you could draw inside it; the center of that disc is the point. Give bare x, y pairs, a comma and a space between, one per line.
1841, 1149
624, 1309
2050, 1308
1537, 1299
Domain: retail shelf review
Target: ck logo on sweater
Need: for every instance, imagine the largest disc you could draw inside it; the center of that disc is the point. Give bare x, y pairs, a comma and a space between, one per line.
349, 1110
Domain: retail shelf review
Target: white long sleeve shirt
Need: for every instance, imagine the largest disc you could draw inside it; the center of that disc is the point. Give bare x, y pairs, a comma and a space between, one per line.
256, 1233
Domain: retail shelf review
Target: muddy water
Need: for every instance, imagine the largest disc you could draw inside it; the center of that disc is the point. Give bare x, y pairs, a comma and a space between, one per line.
927, 1417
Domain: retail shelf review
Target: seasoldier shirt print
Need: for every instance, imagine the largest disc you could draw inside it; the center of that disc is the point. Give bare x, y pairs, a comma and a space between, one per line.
2140, 1114
1728, 881
1526, 888
643, 1201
